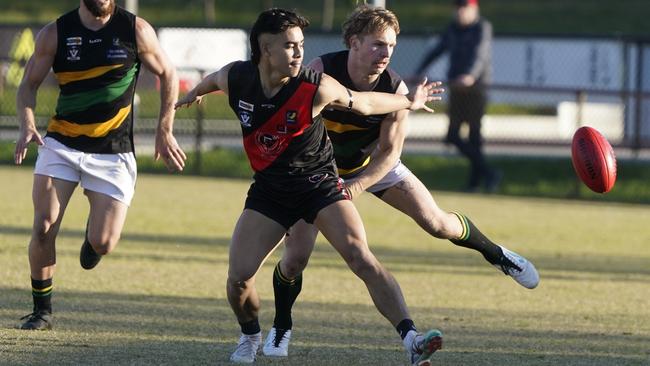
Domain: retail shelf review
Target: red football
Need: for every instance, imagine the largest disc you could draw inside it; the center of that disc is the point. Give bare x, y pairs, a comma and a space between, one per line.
593, 159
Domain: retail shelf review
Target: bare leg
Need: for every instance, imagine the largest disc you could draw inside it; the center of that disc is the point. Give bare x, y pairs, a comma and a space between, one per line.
254, 239
412, 198
50, 197
341, 225
105, 222
298, 247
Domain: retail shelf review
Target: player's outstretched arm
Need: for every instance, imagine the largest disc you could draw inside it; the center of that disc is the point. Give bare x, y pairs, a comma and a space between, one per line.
36, 70
332, 93
218, 80
155, 60
391, 140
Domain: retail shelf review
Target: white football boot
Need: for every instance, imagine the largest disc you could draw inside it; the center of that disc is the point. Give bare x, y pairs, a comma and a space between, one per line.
247, 347
277, 343
521, 270
422, 346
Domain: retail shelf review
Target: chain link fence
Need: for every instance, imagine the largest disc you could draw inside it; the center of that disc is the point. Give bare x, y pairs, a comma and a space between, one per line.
543, 89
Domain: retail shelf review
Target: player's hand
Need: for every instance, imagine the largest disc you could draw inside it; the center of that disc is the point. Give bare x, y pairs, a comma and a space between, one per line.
353, 188
423, 93
167, 148
188, 99
26, 136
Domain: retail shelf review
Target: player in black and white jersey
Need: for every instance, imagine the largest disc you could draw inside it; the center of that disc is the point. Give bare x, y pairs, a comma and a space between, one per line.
279, 105
367, 151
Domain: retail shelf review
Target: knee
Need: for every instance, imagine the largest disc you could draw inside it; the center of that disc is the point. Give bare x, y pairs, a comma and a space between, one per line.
436, 225
103, 243
239, 284
293, 267
44, 229
363, 263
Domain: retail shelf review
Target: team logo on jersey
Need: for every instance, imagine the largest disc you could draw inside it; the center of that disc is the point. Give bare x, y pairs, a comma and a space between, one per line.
246, 106
93, 41
269, 144
292, 117
73, 54
245, 118
117, 51
73, 41
317, 178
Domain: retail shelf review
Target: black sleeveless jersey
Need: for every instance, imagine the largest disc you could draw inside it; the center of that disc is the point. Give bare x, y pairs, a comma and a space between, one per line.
354, 136
285, 146
97, 72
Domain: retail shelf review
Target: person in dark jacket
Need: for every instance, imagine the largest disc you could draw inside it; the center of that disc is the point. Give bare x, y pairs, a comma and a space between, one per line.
468, 39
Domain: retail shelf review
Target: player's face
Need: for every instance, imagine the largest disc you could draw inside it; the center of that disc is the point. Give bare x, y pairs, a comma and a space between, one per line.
375, 50
286, 50
100, 8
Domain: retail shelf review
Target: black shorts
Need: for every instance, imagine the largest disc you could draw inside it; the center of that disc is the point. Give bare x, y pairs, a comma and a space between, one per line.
286, 207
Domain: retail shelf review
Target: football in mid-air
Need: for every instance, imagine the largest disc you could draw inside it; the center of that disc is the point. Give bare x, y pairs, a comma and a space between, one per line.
593, 159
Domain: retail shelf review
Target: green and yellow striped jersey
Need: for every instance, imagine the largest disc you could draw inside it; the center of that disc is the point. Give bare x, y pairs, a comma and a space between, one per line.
97, 73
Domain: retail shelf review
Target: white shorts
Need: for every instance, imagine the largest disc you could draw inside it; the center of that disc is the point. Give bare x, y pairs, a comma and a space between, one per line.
394, 176
111, 174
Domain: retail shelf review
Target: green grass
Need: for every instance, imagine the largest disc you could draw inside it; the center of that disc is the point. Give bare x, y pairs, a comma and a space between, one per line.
523, 176
508, 16
159, 299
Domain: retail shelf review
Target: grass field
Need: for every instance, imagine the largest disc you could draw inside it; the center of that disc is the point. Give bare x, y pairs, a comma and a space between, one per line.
159, 299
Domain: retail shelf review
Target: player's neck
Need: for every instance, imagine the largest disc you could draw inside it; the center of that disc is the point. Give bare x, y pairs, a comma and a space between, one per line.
271, 80
362, 80
90, 21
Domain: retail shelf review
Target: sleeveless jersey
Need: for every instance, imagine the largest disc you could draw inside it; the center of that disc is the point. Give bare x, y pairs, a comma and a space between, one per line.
353, 136
288, 150
97, 72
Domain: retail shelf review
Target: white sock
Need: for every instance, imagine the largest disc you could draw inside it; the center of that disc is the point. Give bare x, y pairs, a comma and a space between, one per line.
409, 339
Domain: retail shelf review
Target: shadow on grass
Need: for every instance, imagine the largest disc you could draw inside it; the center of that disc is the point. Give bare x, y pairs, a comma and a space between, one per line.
158, 239
111, 328
467, 261
464, 261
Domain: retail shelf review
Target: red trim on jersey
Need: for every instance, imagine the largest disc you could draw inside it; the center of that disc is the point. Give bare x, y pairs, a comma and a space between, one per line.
270, 140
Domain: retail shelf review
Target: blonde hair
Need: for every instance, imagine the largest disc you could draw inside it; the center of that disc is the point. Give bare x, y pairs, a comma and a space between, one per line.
368, 19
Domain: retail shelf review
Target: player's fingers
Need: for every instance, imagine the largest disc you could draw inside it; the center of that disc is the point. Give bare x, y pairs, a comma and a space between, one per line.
428, 109
181, 153
178, 159
18, 154
175, 164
